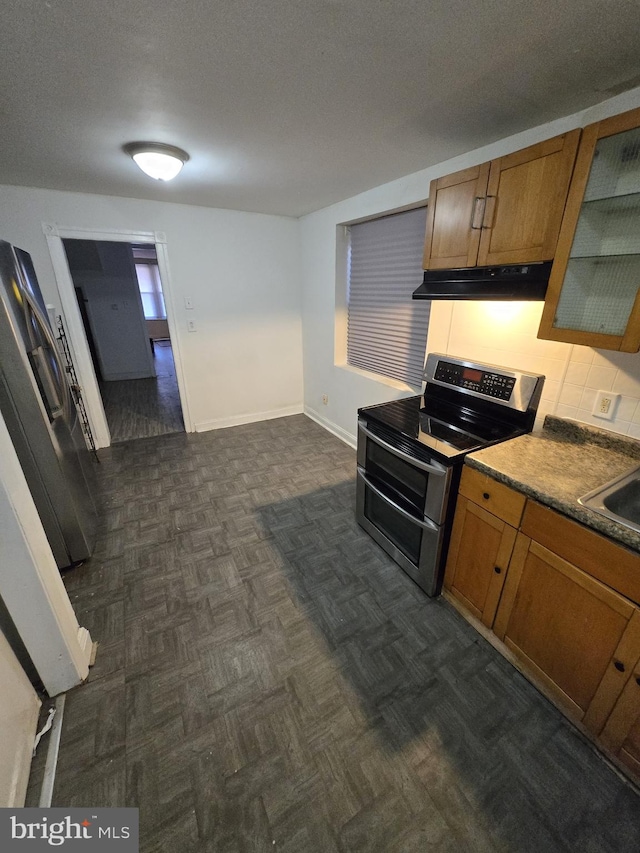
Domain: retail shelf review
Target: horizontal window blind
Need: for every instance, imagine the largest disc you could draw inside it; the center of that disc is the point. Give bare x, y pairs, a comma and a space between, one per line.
387, 329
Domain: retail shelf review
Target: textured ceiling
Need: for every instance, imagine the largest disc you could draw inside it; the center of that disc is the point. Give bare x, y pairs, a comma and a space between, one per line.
289, 105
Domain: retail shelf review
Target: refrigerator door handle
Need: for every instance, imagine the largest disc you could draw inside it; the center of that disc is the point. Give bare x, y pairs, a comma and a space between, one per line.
45, 380
64, 394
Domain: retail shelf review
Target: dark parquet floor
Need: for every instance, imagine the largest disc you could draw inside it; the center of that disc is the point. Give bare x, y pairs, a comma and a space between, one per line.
141, 408
267, 679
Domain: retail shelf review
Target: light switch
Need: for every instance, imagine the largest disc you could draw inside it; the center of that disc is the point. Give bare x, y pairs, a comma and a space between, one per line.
188, 302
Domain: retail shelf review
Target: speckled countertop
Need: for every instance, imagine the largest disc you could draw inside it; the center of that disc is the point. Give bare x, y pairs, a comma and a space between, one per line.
561, 462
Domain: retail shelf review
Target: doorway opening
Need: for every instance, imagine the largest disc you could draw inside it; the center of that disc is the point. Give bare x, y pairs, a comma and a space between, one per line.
121, 302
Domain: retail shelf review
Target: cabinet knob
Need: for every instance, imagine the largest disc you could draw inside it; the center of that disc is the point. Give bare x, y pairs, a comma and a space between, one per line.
486, 495
619, 665
497, 569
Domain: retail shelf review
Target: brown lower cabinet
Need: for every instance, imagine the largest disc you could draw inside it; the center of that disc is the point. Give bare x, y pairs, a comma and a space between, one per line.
482, 539
580, 638
621, 734
576, 637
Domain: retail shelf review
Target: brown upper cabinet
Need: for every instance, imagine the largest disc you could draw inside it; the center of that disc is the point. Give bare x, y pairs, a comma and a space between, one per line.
507, 211
592, 298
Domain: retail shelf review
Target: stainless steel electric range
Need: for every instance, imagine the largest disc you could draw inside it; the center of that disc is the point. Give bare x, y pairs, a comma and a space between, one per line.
411, 452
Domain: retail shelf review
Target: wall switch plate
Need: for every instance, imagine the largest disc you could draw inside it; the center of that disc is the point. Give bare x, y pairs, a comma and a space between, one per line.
191, 325
188, 303
325, 399
605, 405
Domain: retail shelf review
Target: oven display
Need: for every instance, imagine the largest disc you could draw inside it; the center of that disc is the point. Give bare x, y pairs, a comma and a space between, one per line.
470, 375
485, 382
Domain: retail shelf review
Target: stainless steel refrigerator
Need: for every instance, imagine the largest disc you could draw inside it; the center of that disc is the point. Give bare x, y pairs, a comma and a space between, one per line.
40, 414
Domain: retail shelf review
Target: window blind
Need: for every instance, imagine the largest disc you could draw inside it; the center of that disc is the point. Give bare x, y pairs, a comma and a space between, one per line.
387, 330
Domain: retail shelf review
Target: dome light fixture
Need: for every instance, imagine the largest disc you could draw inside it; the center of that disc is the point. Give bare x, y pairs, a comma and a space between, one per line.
159, 161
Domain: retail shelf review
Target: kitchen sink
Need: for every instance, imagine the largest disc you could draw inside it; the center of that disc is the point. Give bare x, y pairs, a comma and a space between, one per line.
619, 499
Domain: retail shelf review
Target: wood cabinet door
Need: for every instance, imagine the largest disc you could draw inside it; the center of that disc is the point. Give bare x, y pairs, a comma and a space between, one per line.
479, 553
454, 219
621, 735
526, 196
592, 299
568, 630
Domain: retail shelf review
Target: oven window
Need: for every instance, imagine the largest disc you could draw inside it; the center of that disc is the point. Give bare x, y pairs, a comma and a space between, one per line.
407, 481
405, 535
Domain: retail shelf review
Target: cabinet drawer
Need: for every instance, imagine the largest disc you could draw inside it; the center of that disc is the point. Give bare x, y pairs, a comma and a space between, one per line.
613, 565
493, 496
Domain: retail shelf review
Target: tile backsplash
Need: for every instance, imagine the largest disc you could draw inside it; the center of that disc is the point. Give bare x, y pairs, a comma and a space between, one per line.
506, 334
590, 371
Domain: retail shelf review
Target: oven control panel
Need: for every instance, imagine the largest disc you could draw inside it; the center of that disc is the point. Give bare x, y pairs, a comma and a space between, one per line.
486, 382
494, 383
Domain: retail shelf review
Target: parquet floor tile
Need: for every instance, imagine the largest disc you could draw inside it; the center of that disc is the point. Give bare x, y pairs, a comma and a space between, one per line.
267, 679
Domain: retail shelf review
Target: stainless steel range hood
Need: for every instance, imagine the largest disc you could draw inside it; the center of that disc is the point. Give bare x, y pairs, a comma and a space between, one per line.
526, 282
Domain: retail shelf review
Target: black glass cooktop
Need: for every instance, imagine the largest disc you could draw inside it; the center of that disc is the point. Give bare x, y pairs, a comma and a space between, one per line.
449, 431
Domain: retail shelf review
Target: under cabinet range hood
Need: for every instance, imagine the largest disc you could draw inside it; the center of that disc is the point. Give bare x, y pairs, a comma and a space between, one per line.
522, 282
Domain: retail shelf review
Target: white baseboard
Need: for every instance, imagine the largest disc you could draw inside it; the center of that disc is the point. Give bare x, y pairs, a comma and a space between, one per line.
137, 374
340, 433
238, 420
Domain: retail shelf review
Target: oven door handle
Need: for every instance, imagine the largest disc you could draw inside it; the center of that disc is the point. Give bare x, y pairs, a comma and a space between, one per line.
425, 522
438, 470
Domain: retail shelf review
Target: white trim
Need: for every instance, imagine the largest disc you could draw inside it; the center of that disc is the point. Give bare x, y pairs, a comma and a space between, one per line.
172, 312
340, 433
75, 327
383, 380
31, 585
77, 340
223, 423
137, 374
115, 235
85, 642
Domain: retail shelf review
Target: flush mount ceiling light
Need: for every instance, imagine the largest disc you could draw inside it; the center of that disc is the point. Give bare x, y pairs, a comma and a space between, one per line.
159, 161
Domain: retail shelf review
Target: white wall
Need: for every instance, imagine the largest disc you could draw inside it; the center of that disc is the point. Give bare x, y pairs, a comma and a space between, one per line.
241, 270
503, 335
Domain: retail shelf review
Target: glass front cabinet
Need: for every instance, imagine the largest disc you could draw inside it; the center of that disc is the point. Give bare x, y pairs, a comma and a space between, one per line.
592, 298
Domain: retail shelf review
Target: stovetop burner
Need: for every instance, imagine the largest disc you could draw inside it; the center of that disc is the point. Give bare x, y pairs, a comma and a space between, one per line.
443, 430
465, 406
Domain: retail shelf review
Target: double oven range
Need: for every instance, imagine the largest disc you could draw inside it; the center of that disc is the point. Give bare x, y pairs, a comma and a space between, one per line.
411, 452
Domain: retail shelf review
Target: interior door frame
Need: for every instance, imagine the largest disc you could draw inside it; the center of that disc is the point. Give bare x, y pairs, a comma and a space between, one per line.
76, 334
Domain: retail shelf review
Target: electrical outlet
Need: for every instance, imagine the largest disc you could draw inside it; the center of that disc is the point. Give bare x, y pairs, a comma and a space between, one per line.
191, 325
325, 399
605, 405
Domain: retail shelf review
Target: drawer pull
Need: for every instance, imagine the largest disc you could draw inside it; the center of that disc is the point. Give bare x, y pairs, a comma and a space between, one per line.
619, 665
486, 495
497, 569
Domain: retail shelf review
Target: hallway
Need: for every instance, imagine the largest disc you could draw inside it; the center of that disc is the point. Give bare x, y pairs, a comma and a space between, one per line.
142, 408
